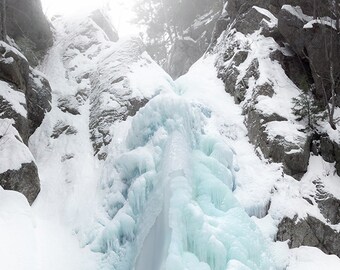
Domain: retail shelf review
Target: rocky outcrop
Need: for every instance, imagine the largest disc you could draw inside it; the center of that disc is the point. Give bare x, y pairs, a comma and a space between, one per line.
183, 54
330, 151
294, 156
35, 89
104, 113
28, 26
318, 44
38, 98
25, 180
25, 97
195, 41
104, 23
309, 232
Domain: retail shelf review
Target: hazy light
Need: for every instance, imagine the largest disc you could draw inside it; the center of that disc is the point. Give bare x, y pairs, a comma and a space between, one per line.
120, 11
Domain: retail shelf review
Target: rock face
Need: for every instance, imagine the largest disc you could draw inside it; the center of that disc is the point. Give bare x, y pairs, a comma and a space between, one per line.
104, 23
183, 54
195, 40
28, 26
330, 151
318, 44
25, 95
34, 88
302, 54
309, 232
25, 180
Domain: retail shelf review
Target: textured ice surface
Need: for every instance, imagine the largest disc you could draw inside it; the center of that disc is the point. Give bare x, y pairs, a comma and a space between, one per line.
175, 207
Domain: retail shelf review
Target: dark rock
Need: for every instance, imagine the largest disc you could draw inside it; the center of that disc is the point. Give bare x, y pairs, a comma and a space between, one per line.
104, 23
296, 158
266, 89
25, 180
242, 87
21, 123
330, 209
62, 128
183, 54
327, 149
337, 157
221, 25
293, 156
13, 67
309, 232
38, 99
229, 75
296, 68
29, 27
240, 57
69, 104
250, 21
66, 157
313, 45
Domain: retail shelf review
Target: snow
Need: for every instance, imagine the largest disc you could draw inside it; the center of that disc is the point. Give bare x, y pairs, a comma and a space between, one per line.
181, 186
18, 245
312, 258
267, 13
309, 20
9, 48
297, 11
13, 151
323, 21
288, 130
15, 98
319, 169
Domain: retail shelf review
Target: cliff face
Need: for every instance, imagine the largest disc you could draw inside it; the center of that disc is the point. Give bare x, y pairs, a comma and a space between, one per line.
25, 97
28, 26
116, 125
269, 53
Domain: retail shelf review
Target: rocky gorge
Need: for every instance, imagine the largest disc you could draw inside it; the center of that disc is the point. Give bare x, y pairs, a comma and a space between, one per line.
266, 54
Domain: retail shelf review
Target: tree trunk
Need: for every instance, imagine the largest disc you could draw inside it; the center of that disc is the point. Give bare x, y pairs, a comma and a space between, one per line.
337, 15
315, 10
3, 21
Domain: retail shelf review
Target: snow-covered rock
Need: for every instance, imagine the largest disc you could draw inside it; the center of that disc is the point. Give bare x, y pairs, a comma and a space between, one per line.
25, 97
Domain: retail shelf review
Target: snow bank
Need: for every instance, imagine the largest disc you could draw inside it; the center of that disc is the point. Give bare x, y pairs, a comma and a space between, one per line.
18, 244
14, 152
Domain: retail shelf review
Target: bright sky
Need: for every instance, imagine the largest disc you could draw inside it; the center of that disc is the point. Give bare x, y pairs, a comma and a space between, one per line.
120, 11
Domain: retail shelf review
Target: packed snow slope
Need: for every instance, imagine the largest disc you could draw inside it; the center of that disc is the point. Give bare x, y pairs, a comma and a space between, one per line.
139, 172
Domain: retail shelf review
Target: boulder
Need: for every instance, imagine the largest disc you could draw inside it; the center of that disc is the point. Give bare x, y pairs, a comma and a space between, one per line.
25, 180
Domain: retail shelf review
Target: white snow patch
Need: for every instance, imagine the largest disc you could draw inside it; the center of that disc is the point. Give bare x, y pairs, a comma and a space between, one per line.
13, 152
16, 98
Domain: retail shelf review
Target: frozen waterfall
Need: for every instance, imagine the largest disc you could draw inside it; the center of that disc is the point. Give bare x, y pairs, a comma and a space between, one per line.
181, 207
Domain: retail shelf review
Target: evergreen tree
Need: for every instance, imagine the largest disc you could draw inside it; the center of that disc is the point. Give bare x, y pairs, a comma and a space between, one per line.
305, 109
166, 20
